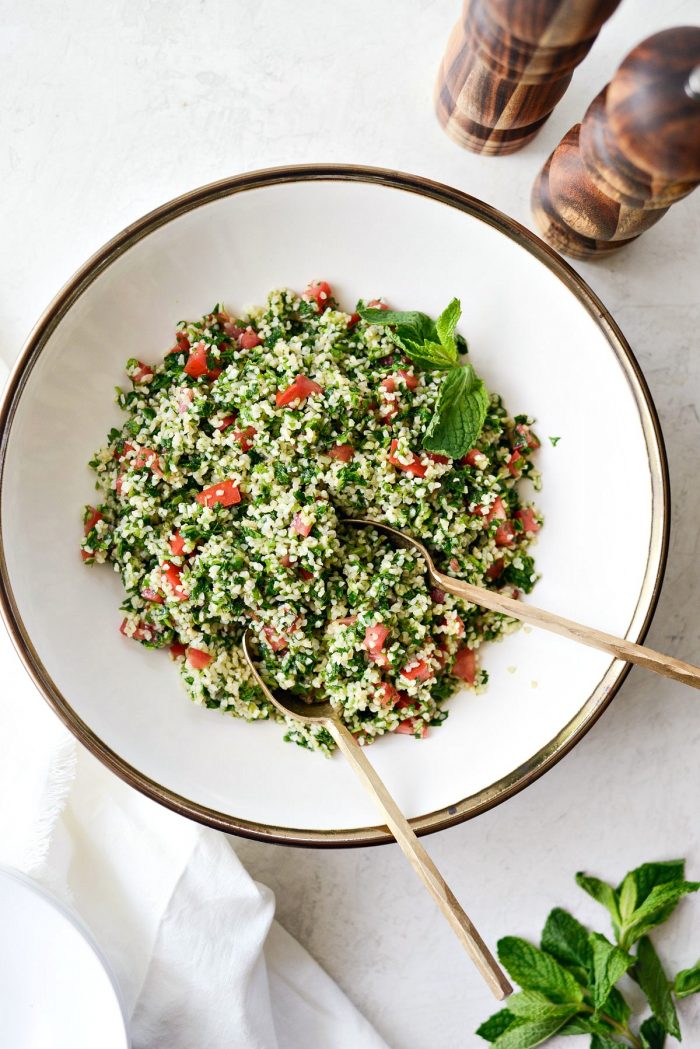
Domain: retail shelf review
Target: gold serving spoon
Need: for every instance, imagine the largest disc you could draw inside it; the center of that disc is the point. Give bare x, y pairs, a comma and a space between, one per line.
686, 673
324, 714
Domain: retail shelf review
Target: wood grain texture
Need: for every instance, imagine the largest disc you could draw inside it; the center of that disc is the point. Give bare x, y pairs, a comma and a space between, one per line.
508, 63
636, 152
667, 666
421, 862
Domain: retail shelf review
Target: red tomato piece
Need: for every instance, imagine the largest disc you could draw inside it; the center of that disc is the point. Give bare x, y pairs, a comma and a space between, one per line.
344, 452
437, 595
528, 519
415, 467
245, 437
319, 291
286, 561
411, 726
276, 642
417, 671
512, 464
182, 344
300, 389
437, 458
498, 511
214, 373
472, 458
119, 483
149, 594
390, 382
177, 650
375, 637
300, 526
146, 457
92, 518
198, 659
248, 339
305, 574
527, 436
388, 695
224, 493
377, 304
176, 544
142, 373
185, 396
196, 364
464, 666
86, 556
142, 631
505, 534
174, 576
228, 420
354, 318
495, 570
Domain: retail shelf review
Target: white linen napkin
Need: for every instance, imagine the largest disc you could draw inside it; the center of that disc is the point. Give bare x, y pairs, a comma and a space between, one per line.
189, 934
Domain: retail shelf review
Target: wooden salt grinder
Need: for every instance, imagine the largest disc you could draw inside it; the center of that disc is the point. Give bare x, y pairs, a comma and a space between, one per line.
508, 63
636, 152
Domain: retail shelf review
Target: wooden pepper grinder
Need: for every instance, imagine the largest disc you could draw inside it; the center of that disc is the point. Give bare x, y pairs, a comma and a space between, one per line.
508, 63
636, 152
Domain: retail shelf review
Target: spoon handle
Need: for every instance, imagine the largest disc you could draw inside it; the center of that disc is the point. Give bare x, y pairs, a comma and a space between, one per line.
667, 666
421, 861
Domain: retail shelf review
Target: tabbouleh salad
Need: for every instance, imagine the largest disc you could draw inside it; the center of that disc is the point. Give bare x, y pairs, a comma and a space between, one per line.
222, 500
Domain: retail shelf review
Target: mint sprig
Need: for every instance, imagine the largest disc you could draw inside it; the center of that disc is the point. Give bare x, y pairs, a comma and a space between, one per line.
569, 984
463, 400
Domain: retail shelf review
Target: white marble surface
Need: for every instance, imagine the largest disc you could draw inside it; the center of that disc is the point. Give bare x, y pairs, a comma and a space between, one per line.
109, 109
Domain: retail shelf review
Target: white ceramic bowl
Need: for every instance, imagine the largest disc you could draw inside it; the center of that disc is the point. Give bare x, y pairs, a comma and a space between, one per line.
537, 334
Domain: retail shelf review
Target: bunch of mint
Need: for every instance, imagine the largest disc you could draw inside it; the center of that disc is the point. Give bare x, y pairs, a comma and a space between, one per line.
569, 982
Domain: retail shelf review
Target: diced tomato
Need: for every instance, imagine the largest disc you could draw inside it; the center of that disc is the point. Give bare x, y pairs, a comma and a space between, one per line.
305, 574
415, 467
505, 535
318, 291
375, 636
196, 364
142, 373
464, 666
146, 457
498, 511
176, 544
224, 493
377, 304
228, 420
276, 642
185, 396
300, 389
182, 344
512, 464
388, 695
459, 623
300, 525
473, 458
142, 631
119, 483
411, 726
149, 594
437, 595
495, 570
92, 518
389, 383
437, 458
177, 650
214, 373
354, 318
344, 452
345, 621
174, 576
248, 339
286, 561
455, 565
417, 671
245, 437
528, 519
233, 330
527, 436
127, 447
198, 659
86, 556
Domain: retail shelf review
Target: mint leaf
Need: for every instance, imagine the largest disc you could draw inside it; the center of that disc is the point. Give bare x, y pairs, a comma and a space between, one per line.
432, 356
530, 1033
586, 1025
536, 971
601, 892
445, 326
687, 982
637, 885
603, 1041
497, 1024
649, 974
533, 1005
652, 1034
656, 908
609, 964
407, 324
460, 413
616, 1007
566, 940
